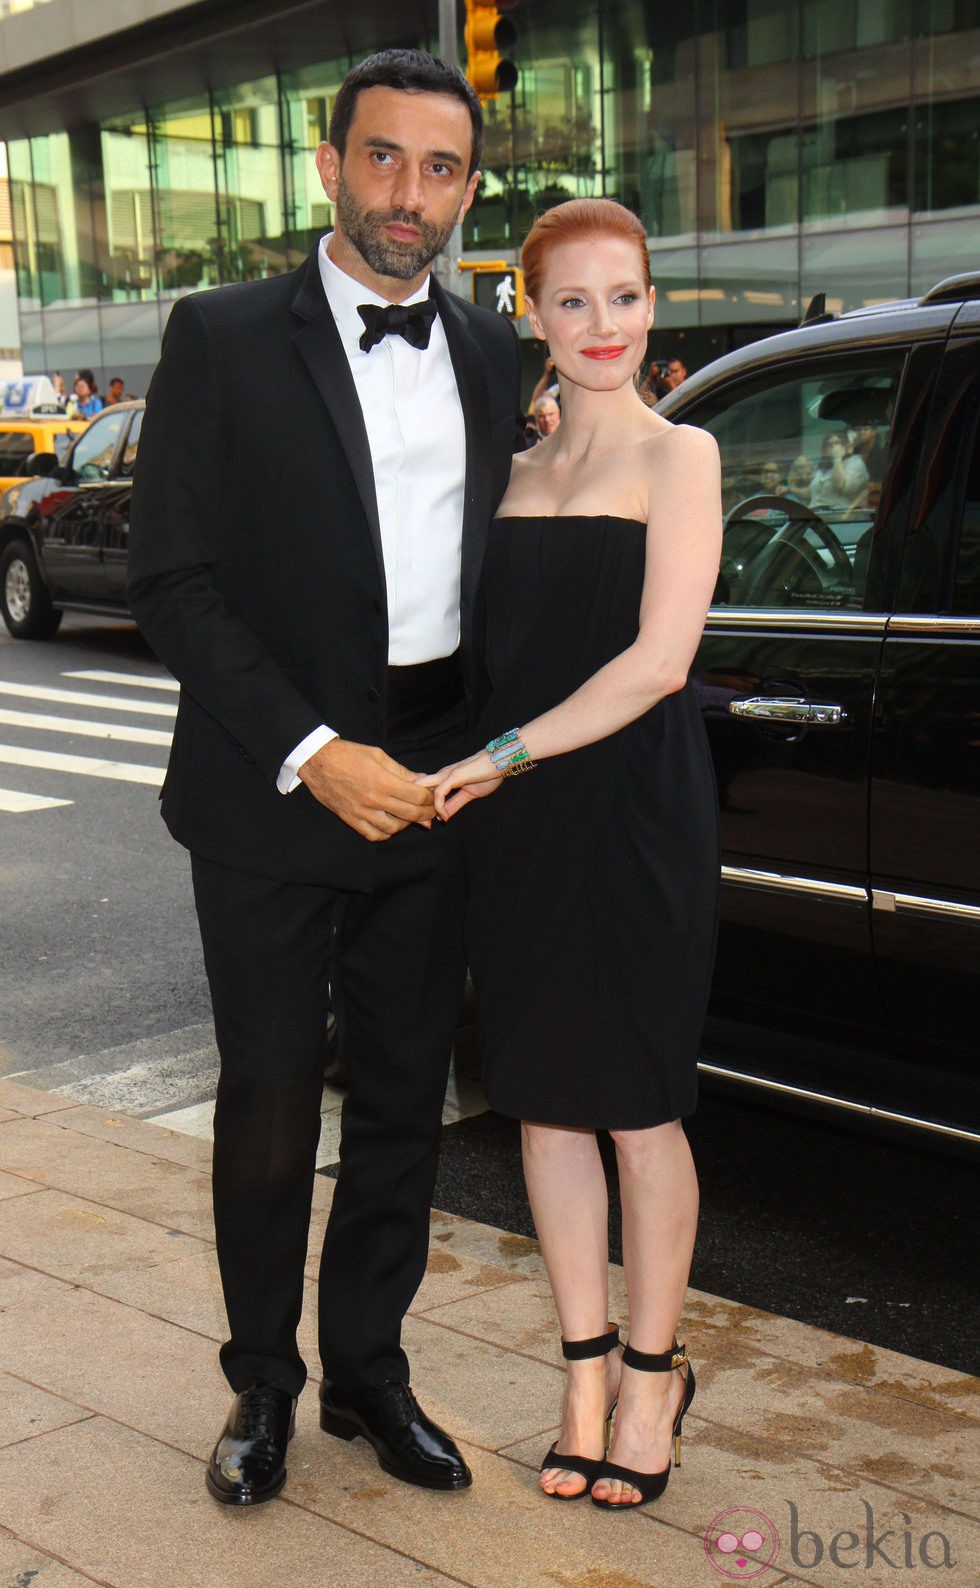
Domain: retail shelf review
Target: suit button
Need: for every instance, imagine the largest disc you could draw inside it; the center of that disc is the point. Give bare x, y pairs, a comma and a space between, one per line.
374, 695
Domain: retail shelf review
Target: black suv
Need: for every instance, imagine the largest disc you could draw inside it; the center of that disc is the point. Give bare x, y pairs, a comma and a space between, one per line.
840, 680
64, 535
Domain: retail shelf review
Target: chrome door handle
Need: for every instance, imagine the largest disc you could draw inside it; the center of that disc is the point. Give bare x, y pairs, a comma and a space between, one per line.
779, 708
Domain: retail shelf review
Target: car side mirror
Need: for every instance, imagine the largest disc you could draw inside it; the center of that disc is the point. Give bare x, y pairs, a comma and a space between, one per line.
44, 463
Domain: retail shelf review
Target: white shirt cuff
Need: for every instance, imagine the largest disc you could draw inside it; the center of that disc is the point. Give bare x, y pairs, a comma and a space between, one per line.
288, 778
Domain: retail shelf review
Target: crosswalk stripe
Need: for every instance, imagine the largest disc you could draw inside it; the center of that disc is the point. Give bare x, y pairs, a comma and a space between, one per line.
13, 800
95, 676
125, 733
77, 697
85, 766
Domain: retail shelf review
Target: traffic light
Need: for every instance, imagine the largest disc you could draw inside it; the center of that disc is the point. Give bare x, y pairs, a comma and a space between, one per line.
489, 34
499, 287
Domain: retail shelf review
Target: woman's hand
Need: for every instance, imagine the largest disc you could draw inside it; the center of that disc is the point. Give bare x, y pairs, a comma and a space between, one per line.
456, 785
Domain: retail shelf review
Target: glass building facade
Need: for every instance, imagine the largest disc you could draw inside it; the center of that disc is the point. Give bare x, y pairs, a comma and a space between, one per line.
773, 150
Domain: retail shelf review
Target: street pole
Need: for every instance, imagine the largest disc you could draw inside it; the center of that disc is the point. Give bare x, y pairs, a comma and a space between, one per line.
449, 51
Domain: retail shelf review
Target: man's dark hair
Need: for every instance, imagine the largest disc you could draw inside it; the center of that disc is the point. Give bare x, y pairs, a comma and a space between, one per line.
406, 69
114, 378
87, 376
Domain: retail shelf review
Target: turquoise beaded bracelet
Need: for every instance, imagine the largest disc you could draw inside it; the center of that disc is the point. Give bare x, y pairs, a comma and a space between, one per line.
509, 754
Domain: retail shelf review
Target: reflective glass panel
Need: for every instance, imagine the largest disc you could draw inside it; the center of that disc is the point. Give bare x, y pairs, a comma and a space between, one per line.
181, 152
249, 160
128, 264
946, 114
747, 114
757, 281
855, 268
854, 135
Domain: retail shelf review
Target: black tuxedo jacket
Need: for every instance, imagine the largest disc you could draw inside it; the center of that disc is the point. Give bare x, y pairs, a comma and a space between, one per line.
256, 570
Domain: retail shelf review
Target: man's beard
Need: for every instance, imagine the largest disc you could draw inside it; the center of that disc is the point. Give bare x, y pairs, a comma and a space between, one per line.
387, 257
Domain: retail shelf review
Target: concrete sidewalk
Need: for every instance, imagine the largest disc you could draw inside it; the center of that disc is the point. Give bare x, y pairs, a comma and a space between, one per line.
850, 1463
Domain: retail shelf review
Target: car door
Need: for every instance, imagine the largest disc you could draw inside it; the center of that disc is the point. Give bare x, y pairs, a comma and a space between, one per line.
787, 672
115, 518
925, 789
72, 512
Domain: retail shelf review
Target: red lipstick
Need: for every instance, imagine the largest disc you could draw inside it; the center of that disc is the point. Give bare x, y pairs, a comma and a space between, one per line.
603, 352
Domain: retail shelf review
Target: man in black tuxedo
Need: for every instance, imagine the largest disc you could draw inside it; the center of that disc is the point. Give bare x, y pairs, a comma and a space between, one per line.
308, 571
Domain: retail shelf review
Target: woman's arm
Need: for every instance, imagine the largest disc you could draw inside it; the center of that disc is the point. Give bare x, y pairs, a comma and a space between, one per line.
683, 550
546, 381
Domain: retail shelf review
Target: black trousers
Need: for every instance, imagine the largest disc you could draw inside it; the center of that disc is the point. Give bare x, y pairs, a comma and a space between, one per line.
395, 959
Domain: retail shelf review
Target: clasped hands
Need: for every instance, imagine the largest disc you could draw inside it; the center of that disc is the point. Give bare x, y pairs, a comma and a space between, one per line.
378, 797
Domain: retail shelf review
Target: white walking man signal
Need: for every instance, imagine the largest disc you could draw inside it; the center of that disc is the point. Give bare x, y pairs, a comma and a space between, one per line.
505, 295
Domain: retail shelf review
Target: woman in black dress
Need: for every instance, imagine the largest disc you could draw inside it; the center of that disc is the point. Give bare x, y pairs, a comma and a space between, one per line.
594, 878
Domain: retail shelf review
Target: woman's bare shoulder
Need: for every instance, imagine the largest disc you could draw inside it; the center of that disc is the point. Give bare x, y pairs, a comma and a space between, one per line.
682, 438
682, 447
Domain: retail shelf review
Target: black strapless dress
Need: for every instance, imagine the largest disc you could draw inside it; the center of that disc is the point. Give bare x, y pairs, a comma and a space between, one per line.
594, 878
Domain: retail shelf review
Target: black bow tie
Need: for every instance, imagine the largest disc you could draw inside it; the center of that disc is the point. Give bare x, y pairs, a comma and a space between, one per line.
413, 321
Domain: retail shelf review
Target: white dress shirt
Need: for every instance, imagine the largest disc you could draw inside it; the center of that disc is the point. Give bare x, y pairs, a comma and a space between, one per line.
414, 422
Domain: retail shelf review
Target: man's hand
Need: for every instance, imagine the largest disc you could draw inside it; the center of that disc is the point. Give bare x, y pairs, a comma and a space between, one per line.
366, 789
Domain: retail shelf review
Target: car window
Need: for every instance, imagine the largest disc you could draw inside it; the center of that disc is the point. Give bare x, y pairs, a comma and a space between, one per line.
60, 442
128, 460
966, 588
15, 448
802, 459
92, 457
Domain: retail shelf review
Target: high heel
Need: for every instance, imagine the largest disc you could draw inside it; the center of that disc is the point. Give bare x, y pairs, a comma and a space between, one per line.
650, 1485
587, 1467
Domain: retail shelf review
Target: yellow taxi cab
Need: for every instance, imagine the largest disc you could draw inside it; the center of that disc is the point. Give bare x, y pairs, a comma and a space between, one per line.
20, 438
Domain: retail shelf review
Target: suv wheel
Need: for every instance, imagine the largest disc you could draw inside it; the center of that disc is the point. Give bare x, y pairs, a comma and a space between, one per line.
24, 599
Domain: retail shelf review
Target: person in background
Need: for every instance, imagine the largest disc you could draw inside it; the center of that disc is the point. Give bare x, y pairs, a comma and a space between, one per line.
114, 393
840, 478
771, 478
798, 479
547, 415
676, 372
86, 402
871, 451
547, 383
60, 394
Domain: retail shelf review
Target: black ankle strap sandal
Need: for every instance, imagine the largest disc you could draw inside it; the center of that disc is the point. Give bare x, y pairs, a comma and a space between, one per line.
650, 1485
587, 1467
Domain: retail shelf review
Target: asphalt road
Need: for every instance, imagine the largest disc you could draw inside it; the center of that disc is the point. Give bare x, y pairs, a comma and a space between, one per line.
98, 936
103, 993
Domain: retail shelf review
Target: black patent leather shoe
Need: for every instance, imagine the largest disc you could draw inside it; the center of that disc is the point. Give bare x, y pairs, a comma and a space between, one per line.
409, 1445
248, 1464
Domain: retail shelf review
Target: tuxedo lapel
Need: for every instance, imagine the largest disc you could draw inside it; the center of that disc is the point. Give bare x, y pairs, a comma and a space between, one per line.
318, 343
472, 386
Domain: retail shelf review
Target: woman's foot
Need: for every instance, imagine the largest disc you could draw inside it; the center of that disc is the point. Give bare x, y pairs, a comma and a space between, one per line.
643, 1432
591, 1387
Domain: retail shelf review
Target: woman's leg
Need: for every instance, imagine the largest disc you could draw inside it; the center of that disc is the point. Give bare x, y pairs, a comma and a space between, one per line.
566, 1187
659, 1194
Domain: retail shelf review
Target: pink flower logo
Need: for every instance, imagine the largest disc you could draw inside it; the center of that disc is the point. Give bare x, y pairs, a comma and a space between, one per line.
741, 1543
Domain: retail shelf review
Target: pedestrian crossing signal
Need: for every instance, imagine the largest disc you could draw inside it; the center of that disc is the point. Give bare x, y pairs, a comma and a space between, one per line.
488, 37
501, 291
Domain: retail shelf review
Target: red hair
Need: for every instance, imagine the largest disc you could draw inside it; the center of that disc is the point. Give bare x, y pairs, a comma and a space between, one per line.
570, 223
